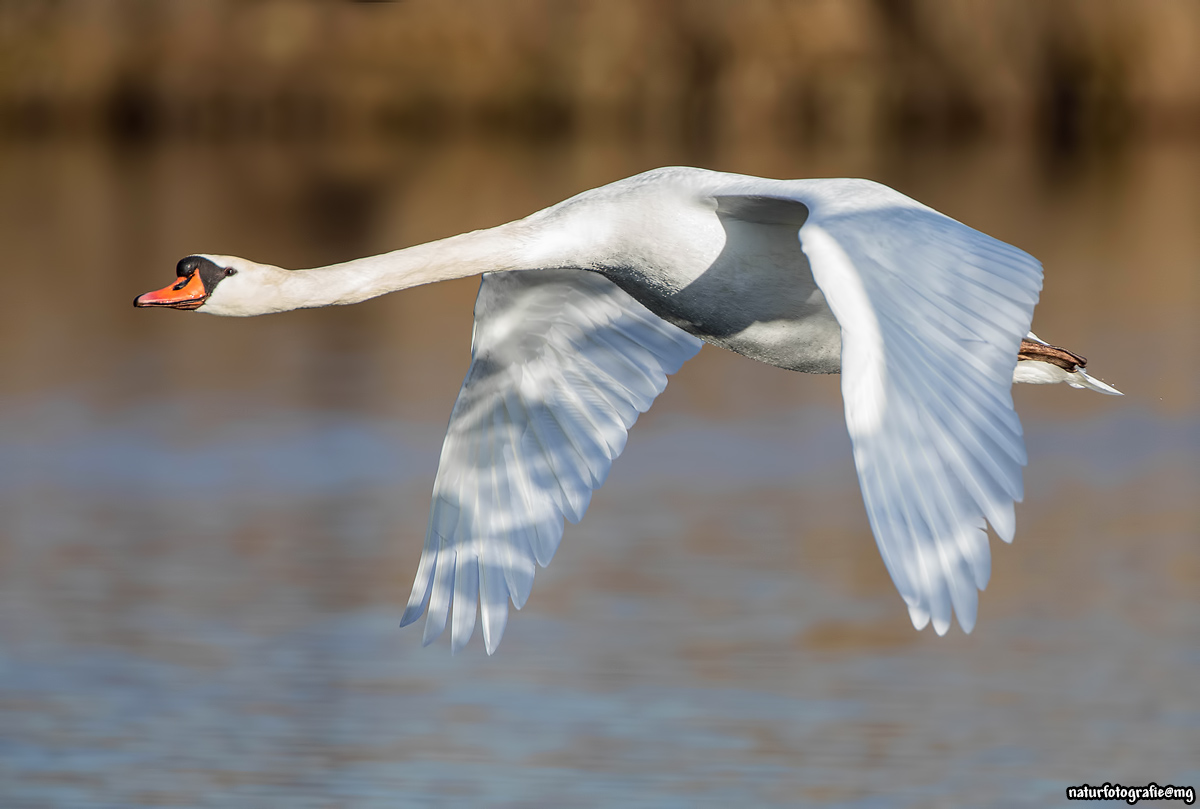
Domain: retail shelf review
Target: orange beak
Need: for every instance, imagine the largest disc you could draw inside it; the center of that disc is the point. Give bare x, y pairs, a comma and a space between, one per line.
186, 293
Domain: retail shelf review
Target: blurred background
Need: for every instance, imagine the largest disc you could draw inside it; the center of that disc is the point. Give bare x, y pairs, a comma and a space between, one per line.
208, 527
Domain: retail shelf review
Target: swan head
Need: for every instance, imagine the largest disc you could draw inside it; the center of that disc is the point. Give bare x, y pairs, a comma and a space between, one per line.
218, 285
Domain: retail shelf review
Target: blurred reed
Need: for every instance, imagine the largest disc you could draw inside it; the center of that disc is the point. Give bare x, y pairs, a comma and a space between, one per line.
1064, 72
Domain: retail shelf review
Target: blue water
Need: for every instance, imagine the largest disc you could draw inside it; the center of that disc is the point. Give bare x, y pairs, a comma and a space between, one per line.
202, 571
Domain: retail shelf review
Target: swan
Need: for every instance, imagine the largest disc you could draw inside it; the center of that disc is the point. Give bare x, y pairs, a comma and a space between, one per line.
586, 307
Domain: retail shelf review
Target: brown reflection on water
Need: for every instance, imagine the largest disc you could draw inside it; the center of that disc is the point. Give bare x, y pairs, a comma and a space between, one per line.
208, 526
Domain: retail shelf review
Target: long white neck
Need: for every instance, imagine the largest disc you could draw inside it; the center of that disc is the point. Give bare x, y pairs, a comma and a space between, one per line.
270, 289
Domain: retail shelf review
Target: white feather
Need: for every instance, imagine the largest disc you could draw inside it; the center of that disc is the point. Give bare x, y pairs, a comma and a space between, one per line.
926, 386
542, 413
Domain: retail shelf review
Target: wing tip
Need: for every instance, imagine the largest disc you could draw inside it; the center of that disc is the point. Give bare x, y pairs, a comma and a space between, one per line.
491, 637
919, 616
430, 635
412, 613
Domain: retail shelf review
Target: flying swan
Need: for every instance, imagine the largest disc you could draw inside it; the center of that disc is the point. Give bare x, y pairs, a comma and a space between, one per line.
585, 307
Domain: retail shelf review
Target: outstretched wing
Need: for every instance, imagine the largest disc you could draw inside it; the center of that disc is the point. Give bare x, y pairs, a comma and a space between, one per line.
932, 314
562, 363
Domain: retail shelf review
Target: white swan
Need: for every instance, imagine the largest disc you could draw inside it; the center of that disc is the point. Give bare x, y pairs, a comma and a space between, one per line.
585, 307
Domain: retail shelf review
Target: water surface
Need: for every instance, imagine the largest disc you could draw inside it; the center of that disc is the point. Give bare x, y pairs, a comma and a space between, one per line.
208, 527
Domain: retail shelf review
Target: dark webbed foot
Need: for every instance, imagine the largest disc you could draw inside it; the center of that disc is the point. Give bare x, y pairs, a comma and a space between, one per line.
1044, 352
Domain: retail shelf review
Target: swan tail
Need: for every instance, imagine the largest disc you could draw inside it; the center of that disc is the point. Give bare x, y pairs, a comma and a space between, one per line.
1081, 379
1040, 363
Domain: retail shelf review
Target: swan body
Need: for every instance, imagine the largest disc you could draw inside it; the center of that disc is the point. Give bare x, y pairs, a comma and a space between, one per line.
586, 307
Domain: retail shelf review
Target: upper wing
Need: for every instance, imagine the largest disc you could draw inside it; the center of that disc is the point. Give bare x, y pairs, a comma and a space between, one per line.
932, 314
562, 363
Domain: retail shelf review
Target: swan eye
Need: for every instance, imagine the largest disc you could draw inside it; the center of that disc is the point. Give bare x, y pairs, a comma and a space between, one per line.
230, 271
